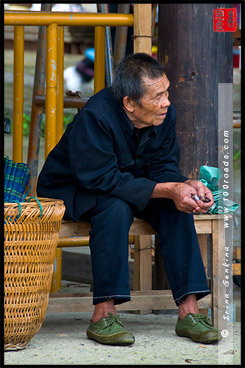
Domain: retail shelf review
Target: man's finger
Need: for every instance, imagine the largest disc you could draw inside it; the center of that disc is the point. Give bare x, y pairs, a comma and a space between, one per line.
198, 200
202, 201
195, 197
199, 210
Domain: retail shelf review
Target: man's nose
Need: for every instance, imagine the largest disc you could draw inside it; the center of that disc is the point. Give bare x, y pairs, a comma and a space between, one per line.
165, 102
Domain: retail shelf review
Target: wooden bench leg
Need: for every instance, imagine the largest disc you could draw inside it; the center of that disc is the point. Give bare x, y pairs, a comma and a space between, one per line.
202, 239
218, 273
56, 280
143, 265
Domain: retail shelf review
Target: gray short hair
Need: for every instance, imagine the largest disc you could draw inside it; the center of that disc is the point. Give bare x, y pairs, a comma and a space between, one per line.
129, 74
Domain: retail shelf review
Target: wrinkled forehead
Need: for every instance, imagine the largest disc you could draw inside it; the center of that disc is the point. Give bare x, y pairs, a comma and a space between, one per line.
153, 83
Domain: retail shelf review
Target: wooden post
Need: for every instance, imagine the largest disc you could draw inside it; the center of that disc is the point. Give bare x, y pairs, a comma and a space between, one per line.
160, 279
196, 60
121, 35
37, 111
143, 265
142, 43
218, 273
142, 28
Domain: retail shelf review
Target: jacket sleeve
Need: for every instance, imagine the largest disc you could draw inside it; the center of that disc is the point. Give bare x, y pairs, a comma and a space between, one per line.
95, 166
165, 163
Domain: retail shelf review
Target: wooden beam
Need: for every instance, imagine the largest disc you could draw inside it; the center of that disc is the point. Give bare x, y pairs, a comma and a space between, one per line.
138, 227
69, 228
156, 300
69, 102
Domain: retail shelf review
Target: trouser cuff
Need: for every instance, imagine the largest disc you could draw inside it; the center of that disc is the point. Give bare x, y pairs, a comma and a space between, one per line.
118, 299
199, 292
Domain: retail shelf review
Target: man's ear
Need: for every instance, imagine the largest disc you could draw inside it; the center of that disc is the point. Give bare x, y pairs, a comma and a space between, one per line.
128, 104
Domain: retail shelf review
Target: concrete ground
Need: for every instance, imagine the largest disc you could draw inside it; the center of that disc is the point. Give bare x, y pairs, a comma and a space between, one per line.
62, 341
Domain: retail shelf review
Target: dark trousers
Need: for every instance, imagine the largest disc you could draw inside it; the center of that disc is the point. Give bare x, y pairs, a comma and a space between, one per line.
111, 219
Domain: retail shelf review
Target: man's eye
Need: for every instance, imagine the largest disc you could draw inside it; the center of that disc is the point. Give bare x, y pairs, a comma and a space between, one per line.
164, 94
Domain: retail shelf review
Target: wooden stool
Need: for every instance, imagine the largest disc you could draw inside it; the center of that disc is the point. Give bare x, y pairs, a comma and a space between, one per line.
143, 297
236, 267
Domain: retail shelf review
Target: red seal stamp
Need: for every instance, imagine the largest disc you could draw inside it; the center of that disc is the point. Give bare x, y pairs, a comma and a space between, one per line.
225, 20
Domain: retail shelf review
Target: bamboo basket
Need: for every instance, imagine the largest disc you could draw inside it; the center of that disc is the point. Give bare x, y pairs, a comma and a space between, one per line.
30, 240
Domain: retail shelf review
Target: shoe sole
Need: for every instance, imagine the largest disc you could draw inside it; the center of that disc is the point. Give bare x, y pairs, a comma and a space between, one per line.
111, 339
209, 341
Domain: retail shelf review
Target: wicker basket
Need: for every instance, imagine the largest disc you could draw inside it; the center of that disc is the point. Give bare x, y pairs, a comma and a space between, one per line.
30, 240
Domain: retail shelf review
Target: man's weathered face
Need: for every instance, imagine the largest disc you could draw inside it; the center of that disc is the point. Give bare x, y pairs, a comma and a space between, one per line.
154, 104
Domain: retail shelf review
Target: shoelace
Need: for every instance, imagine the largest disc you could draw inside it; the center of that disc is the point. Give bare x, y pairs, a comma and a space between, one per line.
203, 319
111, 319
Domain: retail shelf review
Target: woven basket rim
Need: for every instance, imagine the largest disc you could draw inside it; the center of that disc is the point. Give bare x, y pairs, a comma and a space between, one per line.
42, 200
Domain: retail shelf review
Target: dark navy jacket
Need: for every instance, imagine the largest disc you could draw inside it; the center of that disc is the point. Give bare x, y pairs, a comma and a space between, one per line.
102, 153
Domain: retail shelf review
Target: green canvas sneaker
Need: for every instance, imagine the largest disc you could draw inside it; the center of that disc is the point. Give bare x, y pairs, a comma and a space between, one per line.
110, 330
198, 327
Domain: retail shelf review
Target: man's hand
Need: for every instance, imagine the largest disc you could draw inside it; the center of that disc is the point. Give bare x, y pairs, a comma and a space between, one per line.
202, 192
183, 195
180, 193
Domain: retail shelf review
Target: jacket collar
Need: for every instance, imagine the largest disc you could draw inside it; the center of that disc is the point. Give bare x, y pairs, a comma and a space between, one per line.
130, 126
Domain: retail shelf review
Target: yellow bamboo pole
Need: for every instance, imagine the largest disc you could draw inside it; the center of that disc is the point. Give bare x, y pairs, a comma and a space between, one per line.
99, 59
67, 19
143, 28
60, 83
18, 93
50, 122
81, 241
76, 241
51, 88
